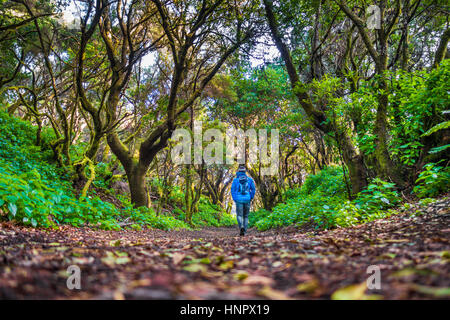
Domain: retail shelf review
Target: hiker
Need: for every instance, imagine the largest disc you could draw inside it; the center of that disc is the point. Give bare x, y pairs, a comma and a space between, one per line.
243, 192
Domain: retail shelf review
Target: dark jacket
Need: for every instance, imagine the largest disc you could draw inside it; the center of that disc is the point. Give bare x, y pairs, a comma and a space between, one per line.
237, 196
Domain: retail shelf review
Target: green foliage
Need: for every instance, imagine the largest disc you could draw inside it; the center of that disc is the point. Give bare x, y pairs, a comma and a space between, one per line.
328, 183
379, 195
433, 180
347, 214
439, 149
37, 193
440, 126
292, 193
31, 201
322, 203
258, 215
417, 101
147, 217
176, 196
208, 215
102, 173
252, 94
315, 203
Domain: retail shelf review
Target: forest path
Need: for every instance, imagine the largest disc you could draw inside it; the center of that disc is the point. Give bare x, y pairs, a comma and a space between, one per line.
412, 252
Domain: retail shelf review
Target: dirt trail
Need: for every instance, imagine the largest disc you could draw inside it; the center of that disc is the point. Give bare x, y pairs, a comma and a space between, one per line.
412, 252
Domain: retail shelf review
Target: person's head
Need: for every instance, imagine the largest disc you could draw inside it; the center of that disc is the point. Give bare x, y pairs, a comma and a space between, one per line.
241, 168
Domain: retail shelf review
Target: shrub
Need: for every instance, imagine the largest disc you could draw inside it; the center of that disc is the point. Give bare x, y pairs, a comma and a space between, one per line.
322, 202
347, 214
292, 193
316, 202
208, 215
257, 215
433, 180
102, 173
147, 217
379, 195
329, 182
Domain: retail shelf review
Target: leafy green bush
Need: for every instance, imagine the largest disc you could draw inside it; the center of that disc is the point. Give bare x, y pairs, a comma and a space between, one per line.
418, 97
28, 198
147, 217
379, 195
176, 196
102, 173
322, 201
208, 215
347, 214
328, 182
433, 180
316, 202
292, 193
212, 215
257, 215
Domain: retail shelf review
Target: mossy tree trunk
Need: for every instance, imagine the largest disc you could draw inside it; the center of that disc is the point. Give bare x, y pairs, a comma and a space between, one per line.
386, 168
352, 159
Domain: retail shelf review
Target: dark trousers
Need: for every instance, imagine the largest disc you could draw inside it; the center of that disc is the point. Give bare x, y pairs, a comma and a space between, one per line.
242, 211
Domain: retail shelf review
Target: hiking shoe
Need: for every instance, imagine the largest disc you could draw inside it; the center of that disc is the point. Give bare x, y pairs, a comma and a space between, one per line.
242, 232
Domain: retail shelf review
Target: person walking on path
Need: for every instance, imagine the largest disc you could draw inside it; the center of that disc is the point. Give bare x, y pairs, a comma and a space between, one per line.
243, 192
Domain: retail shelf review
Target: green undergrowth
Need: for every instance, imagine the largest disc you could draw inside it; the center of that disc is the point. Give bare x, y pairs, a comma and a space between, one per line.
34, 191
322, 201
209, 215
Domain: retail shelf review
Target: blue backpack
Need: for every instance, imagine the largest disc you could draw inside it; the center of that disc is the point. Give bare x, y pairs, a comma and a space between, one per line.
243, 185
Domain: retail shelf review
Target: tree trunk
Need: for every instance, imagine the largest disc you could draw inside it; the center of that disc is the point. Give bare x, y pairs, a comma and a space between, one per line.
354, 162
187, 195
386, 167
357, 172
38, 132
442, 48
138, 188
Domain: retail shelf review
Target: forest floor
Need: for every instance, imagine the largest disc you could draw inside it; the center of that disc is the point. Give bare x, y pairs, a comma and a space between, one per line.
411, 250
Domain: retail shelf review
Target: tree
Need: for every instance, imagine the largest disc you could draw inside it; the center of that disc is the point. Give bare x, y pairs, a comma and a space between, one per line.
198, 45
352, 159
